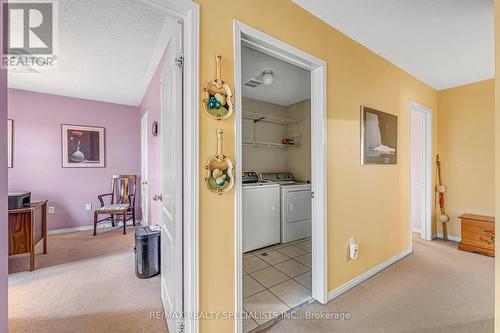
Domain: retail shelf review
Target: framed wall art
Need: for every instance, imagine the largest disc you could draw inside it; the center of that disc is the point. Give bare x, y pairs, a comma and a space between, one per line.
379, 137
83, 146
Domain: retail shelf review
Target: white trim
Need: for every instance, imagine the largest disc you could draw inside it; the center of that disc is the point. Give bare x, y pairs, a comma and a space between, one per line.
245, 35
417, 230
426, 227
366, 275
159, 49
76, 229
452, 238
103, 225
187, 12
145, 168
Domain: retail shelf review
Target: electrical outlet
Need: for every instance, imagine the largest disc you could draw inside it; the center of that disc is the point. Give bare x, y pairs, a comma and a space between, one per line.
52, 209
353, 249
88, 207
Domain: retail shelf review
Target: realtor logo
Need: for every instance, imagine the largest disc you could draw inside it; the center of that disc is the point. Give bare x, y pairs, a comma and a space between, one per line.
29, 34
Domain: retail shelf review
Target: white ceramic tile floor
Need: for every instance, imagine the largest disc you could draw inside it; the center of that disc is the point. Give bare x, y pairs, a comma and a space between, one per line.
291, 293
292, 268
304, 245
264, 306
304, 259
275, 282
273, 257
292, 251
305, 279
251, 286
249, 324
269, 277
253, 264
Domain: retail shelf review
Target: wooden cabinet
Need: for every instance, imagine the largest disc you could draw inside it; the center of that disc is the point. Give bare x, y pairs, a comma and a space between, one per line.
27, 227
478, 234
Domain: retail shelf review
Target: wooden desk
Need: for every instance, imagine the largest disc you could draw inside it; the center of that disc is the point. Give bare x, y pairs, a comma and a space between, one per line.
27, 227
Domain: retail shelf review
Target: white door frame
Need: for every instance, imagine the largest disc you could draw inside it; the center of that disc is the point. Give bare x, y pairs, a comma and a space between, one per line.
426, 199
255, 39
187, 12
144, 168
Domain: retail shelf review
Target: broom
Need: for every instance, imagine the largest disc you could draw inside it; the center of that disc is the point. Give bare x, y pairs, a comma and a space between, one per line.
440, 189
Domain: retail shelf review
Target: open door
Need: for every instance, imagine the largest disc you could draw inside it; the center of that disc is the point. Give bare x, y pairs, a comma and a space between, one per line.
144, 169
171, 176
421, 170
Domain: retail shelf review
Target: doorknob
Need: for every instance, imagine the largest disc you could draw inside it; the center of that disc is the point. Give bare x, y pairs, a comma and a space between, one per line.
158, 197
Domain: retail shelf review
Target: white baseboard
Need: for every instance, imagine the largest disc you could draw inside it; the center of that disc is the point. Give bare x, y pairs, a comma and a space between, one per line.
366, 275
453, 238
415, 230
101, 225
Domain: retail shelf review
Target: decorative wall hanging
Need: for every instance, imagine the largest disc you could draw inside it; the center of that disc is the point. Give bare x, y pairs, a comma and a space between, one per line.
10, 142
82, 146
217, 96
219, 178
154, 129
440, 189
379, 137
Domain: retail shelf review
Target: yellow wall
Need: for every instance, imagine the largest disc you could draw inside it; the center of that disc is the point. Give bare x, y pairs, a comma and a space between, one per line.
367, 202
466, 149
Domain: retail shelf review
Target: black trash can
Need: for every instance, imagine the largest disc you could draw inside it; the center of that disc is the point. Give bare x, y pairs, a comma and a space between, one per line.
147, 252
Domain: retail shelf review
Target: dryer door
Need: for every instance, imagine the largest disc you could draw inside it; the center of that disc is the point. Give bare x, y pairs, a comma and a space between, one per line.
298, 205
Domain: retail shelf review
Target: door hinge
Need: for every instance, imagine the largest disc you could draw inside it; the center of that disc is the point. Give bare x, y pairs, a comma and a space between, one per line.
312, 195
180, 326
179, 60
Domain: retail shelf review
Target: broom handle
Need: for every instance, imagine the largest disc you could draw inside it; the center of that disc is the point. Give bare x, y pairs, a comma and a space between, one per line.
441, 198
438, 162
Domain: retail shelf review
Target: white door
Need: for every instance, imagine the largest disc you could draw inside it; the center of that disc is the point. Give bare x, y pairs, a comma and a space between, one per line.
421, 170
417, 173
144, 169
170, 197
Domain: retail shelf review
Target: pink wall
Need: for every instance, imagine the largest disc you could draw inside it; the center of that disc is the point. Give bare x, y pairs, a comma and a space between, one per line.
3, 195
151, 102
37, 152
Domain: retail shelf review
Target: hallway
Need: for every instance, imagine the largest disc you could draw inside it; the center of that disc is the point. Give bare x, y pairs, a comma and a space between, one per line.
435, 289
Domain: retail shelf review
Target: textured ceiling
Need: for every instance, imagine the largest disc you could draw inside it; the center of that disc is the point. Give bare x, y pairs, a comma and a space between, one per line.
291, 84
108, 51
445, 43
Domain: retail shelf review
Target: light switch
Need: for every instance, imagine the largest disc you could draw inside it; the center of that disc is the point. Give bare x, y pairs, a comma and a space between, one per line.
88, 207
52, 210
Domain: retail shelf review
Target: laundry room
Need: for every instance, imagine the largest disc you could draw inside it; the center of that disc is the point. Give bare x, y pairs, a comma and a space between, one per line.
276, 189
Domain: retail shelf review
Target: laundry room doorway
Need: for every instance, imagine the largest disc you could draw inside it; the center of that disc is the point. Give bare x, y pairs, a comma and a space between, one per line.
280, 178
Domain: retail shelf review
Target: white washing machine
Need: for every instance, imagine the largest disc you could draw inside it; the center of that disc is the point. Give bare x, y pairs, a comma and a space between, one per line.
296, 208
261, 212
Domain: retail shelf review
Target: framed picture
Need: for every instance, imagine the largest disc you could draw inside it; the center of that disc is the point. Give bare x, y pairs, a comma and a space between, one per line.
10, 142
379, 137
82, 146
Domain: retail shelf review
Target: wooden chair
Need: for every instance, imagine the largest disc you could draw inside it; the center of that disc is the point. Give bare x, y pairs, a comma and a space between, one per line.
122, 202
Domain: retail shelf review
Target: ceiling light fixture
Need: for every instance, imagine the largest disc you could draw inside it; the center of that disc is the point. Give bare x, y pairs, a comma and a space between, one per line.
267, 78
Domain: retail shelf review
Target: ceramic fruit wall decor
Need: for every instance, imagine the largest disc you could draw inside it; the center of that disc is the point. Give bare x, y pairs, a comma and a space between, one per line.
217, 99
219, 178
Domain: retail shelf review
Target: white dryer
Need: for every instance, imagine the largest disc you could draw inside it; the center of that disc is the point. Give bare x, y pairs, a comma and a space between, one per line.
296, 208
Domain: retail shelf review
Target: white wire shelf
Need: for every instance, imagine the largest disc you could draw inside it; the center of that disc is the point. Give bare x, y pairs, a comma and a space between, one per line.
272, 145
257, 117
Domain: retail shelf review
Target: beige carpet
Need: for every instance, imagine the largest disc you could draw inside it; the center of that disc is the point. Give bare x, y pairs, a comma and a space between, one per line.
83, 284
436, 289
87, 284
